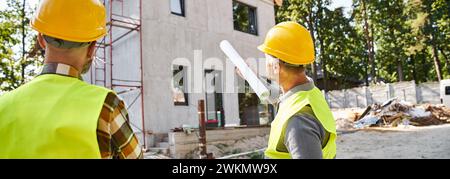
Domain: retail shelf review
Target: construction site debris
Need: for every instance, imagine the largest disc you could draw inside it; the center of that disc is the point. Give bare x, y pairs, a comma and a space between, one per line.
394, 113
366, 121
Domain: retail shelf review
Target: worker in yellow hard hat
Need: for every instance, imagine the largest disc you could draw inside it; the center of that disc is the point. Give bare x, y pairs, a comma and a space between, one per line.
304, 126
57, 115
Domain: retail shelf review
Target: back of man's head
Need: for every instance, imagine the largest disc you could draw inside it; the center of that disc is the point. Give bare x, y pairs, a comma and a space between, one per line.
64, 44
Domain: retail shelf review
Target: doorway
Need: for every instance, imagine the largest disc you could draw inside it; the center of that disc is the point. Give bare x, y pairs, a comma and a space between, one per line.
215, 113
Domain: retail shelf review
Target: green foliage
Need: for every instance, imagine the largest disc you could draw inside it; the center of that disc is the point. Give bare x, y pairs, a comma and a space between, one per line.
408, 37
343, 47
17, 66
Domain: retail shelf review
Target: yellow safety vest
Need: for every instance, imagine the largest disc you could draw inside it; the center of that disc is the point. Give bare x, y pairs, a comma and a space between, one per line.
52, 116
292, 106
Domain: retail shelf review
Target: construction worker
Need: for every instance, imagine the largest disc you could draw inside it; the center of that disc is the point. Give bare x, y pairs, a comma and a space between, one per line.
57, 115
304, 127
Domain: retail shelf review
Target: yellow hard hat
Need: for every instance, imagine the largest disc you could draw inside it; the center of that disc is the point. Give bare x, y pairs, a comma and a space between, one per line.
291, 43
71, 20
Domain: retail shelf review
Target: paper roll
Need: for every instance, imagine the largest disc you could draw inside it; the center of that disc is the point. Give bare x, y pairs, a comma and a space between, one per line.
257, 86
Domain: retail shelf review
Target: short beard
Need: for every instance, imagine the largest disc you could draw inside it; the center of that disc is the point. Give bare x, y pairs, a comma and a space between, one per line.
86, 67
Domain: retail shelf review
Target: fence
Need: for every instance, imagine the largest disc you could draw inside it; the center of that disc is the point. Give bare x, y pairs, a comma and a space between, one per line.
364, 96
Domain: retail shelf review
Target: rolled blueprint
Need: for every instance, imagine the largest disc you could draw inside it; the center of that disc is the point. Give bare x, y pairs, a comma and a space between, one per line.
257, 86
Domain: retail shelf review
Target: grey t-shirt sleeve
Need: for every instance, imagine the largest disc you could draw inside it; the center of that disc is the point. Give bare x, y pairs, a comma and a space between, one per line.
304, 136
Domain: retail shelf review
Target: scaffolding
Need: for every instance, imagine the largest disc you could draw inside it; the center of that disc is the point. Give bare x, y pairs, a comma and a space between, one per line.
119, 65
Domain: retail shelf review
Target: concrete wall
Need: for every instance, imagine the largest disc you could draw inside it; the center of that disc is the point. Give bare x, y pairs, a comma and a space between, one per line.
167, 37
429, 93
406, 91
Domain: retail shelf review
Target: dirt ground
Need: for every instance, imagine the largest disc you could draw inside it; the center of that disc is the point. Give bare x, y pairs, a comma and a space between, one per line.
404, 142
432, 142
390, 143
226, 148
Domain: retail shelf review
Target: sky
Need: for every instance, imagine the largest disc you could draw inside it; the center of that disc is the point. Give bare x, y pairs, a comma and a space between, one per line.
341, 3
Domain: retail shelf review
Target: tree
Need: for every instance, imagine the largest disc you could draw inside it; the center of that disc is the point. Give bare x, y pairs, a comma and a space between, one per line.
343, 47
429, 23
310, 13
320, 24
339, 48
17, 65
303, 12
392, 32
382, 41
441, 12
363, 12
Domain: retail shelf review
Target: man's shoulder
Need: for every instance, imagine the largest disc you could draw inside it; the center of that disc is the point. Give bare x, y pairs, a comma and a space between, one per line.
9, 96
305, 120
112, 100
305, 112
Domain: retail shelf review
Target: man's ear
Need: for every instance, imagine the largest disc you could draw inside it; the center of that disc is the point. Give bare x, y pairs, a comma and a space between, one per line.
41, 41
91, 49
276, 68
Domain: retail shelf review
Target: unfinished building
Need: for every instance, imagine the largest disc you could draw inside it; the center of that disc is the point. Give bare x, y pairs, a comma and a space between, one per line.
149, 42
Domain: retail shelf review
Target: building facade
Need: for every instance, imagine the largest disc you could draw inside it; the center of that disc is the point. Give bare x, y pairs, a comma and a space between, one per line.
164, 46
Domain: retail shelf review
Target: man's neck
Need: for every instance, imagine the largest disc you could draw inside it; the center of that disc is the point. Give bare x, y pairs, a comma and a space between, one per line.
64, 60
292, 83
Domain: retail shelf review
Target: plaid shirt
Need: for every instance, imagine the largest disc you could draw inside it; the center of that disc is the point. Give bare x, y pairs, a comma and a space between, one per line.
115, 137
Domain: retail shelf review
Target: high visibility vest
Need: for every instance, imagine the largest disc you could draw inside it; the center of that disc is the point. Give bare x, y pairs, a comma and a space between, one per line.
52, 116
291, 106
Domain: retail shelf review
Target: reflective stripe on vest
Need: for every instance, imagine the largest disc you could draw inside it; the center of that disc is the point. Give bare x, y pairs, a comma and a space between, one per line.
292, 106
52, 116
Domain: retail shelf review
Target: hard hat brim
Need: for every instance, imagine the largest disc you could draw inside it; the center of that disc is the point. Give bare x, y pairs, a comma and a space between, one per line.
284, 57
69, 35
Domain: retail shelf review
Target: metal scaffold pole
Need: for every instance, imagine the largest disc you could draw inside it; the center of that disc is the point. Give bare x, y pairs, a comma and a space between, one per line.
107, 75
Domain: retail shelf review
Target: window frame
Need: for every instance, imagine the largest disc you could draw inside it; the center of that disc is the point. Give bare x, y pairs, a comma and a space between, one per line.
182, 6
255, 9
